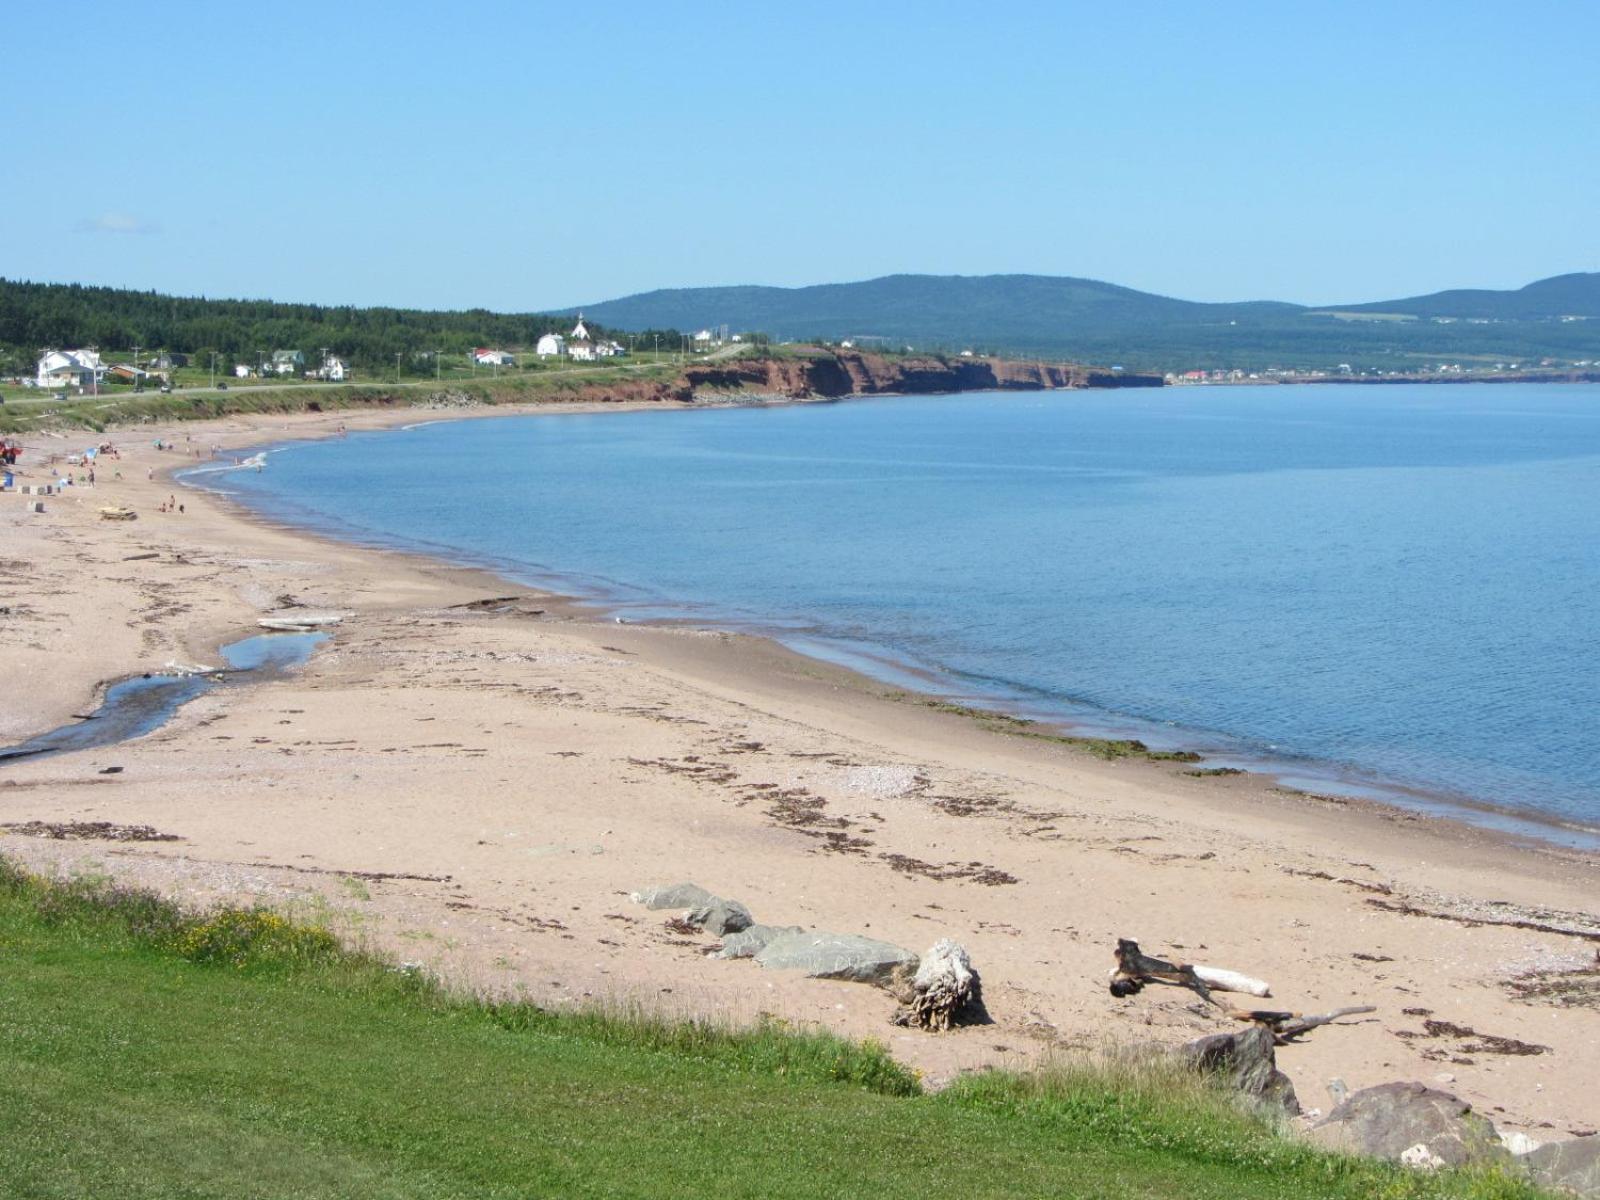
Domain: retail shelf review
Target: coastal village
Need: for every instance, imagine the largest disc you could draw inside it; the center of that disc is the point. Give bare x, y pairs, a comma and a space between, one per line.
83, 371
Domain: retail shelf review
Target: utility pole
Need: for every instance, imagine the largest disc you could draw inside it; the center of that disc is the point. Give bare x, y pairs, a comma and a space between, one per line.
135, 380
438, 365
213, 369
397, 355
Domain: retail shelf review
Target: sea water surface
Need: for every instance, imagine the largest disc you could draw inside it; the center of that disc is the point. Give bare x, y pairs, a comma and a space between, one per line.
1395, 585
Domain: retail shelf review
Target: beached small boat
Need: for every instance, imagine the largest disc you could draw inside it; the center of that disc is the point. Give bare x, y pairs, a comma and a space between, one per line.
117, 512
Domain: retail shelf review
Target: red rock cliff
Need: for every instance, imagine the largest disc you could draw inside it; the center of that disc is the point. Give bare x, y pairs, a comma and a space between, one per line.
851, 373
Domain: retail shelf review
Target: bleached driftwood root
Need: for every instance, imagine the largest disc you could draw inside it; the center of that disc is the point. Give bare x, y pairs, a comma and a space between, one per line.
945, 992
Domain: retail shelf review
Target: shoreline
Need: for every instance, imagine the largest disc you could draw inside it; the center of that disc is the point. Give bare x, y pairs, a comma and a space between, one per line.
882, 666
561, 761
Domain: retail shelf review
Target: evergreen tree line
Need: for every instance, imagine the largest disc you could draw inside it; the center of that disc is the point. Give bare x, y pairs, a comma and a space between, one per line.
39, 316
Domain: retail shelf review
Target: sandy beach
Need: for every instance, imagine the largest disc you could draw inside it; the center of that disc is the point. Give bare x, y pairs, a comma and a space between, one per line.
478, 787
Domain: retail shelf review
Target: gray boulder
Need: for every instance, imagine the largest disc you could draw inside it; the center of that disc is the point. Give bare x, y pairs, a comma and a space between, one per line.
837, 956
699, 906
721, 916
1569, 1166
752, 940
1393, 1120
674, 895
1249, 1063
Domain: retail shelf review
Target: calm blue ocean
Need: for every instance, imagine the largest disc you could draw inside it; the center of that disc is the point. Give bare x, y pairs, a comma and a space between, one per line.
1380, 583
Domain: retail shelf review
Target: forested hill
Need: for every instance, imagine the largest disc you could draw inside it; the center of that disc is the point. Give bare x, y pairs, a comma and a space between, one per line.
924, 307
1576, 295
1100, 322
35, 316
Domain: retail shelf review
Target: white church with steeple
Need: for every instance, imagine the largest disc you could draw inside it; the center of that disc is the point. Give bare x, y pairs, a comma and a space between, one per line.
580, 346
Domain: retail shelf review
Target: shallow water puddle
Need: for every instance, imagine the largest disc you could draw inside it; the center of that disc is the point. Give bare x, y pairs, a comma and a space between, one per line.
139, 706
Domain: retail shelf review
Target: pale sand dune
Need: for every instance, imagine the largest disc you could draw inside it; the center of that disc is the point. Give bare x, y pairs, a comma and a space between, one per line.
536, 768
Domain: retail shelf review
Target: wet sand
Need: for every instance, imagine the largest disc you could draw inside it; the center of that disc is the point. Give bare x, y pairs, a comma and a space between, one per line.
477, 787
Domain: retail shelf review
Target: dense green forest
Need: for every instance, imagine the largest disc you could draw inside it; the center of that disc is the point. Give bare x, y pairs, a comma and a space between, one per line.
1090, 321
37, 316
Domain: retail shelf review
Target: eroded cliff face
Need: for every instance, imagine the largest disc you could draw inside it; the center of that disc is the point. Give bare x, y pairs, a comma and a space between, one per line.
850, 373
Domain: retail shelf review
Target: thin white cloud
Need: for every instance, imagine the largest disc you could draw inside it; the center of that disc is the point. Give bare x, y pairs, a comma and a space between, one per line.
117, 222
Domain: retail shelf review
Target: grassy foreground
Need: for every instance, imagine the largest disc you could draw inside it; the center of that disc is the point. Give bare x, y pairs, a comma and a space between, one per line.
147, 1052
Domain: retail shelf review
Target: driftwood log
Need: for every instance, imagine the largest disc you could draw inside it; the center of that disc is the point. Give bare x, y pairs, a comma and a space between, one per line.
1135, 968
1286, 1026
1218, 979
946, 991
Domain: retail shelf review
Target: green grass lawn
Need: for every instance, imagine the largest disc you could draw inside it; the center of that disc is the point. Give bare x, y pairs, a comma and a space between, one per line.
146, 1053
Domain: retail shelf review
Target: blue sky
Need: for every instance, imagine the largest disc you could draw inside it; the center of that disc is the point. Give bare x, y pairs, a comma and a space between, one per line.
533, 155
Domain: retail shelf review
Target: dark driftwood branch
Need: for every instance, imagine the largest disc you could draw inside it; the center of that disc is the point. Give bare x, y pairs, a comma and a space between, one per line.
1286, 1026
1135, 968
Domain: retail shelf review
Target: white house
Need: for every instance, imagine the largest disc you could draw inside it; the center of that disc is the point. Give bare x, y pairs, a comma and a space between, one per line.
288, 362
580, 346
703, 338
242, 370
333, 369
69, 368
493, 358
551, 345
609, 349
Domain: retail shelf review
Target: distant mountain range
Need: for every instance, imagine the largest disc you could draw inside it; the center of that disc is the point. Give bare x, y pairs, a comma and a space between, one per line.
1085, 319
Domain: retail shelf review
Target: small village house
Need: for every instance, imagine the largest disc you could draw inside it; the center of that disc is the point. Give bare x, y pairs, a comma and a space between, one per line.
69, 368
493, 358
333, 369
288, 362
243, 370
